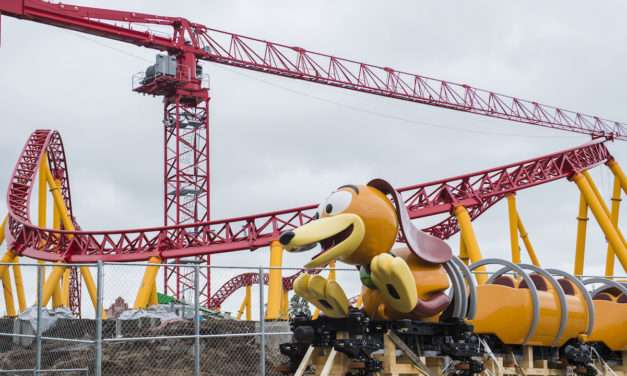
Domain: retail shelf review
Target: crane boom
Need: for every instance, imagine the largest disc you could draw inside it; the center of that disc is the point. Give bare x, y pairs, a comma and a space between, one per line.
196, 41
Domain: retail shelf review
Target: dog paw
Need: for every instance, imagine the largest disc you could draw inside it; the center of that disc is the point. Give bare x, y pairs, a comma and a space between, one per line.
327, 296
395, 282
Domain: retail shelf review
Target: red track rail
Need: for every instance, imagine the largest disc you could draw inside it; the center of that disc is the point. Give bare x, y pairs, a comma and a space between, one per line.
247, 279
477, 191
200, 42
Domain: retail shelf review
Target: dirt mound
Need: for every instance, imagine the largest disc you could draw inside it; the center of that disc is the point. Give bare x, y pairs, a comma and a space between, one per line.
221, 356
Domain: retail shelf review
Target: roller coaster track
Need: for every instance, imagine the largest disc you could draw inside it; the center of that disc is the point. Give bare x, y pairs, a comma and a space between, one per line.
476, 191
247, 279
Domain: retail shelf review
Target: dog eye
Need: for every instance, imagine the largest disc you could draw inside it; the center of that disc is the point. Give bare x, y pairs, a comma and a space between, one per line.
336, 203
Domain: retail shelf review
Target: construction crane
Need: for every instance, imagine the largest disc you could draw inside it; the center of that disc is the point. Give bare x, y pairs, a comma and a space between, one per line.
178, 77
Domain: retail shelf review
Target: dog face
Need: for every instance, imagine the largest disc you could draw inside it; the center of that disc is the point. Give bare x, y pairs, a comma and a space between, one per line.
355, 223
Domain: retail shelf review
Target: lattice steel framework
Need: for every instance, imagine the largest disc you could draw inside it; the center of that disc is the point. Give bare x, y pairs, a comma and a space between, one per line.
186, 180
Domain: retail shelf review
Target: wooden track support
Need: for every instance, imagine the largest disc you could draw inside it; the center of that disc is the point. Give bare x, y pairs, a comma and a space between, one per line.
529, 366
320, 361
399, 360
328, 362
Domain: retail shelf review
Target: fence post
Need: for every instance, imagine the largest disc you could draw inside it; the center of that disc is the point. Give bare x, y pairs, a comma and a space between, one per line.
99, 298
40, 283
262, 326
196, 320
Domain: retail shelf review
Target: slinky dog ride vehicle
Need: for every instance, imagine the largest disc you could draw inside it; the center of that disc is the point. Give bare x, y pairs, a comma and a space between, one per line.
423, 281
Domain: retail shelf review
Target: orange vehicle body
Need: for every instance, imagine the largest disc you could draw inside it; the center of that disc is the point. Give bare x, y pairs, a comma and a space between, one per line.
505, 309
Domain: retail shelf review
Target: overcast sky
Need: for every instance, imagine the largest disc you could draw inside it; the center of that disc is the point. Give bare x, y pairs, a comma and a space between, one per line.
278, 143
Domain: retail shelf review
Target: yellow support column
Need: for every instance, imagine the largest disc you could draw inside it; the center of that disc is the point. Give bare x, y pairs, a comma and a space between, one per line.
8, 295
19, 285
57, 296
68, 225
247, 298
285, 306
65, 288
616, 199
513, 228
59, 215
463, 253
9, 257
56, 219
42, 193
618, 173
59, 203
245, 306
611, 232
469, 238
4, 223
275, 281
596, 192
582, 224
42, 201
91, 288
148, 284
154, 299
241, 309
52, 284
525, 237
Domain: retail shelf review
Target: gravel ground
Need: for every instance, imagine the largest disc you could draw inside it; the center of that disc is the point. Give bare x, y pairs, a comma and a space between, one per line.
222, 356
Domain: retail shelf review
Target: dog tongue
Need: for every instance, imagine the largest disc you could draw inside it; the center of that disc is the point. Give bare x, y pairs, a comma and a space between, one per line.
318, 254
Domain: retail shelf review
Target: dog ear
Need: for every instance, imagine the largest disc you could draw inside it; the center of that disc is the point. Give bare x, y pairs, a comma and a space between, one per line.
425, 246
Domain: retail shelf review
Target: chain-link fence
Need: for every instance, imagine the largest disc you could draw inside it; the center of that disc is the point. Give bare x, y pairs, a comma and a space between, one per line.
108, 329
227, 335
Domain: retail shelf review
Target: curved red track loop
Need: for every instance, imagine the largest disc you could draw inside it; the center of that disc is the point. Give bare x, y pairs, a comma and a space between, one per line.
249, 279
476, 191
20, 232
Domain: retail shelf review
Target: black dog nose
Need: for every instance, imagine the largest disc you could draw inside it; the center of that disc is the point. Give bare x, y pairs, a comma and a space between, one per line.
286, 237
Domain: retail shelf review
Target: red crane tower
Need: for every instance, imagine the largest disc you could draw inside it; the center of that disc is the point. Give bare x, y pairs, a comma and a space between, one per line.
177, 77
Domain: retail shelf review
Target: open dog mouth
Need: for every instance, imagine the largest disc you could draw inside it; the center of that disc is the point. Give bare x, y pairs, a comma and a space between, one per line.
327, 243
336, 239
338, 236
